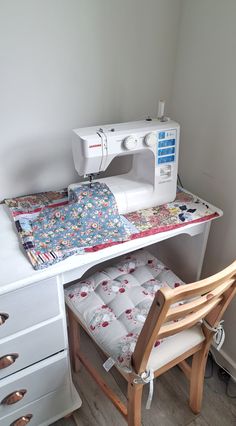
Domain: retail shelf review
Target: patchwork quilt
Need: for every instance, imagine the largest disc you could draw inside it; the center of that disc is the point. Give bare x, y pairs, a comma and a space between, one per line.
55, 225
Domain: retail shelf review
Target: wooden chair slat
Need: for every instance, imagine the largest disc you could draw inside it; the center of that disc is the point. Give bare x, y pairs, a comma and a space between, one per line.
189, 321
164, 298
201, 287
177, 312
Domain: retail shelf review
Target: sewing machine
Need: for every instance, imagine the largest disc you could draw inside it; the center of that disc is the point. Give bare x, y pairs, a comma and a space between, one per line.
154, 145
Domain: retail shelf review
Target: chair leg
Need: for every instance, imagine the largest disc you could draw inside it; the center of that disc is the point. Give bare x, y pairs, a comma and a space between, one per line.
134, 404
197, 379
74, 341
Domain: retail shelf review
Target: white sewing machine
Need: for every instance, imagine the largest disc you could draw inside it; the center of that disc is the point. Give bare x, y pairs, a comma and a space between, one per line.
154, 145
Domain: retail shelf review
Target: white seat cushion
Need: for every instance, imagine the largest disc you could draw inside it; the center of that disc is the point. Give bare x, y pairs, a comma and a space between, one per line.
113, 304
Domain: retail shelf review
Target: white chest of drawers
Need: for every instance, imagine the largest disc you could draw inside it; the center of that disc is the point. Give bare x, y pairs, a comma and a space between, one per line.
35, 381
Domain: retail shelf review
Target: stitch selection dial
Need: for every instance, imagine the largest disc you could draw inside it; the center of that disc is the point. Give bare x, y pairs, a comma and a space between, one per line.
130, 142
150, 139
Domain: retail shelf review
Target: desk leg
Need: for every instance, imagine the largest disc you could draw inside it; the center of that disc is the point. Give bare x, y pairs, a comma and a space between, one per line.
74, 341
184, 253
202, 249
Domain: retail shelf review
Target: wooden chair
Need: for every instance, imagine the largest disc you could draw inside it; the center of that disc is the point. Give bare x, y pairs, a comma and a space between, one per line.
203, 300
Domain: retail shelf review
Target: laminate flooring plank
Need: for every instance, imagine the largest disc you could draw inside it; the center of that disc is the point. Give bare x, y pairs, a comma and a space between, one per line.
96, 409
199, 421
217, 408
93, 356
169, 405
170, 401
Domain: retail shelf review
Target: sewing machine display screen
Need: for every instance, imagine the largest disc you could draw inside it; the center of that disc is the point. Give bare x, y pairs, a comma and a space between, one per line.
166, 147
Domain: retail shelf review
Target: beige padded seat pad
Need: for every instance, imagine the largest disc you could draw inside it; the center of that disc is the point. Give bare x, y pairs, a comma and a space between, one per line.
113, 304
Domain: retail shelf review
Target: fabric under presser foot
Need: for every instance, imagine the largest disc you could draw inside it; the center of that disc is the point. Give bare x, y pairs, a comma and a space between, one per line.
91, 217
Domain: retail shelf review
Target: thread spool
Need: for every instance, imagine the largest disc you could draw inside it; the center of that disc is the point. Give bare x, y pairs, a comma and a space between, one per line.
161, 110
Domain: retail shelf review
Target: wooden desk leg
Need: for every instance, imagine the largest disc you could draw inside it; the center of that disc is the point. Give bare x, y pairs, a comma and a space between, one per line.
74, 341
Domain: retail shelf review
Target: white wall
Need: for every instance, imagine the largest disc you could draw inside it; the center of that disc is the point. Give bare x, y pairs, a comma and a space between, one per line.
71, 63
204, 102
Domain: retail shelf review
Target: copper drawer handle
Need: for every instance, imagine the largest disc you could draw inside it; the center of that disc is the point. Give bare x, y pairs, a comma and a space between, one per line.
7, 360
14, 397
22, 421
3, 318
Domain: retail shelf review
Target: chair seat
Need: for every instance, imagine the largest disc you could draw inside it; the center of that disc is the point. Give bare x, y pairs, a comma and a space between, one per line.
113, 304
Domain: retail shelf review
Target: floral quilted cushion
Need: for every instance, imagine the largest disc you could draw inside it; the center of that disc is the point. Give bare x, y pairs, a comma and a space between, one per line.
113, 304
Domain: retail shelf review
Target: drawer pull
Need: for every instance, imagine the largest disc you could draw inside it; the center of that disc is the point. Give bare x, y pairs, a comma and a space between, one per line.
14, 397
7, 360
3, 318
22, 421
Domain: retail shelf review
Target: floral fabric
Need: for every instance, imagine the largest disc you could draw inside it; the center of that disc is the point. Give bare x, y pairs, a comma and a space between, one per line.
90, 218
30, 214
113, 304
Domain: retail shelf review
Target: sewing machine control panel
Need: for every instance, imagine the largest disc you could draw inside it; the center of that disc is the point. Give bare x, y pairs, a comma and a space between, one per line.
166, 146
94, 148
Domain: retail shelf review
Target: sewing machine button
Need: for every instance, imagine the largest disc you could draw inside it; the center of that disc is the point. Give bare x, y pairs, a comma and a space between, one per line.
130, 142
150, 139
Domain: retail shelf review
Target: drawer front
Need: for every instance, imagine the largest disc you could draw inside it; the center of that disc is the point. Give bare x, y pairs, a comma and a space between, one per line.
28, 306
33, 383
44, 411
31, 347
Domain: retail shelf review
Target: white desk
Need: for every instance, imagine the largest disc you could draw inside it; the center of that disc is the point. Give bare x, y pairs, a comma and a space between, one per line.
36, 328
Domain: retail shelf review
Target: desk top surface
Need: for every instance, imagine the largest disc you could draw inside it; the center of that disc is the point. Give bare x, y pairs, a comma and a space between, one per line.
16, 270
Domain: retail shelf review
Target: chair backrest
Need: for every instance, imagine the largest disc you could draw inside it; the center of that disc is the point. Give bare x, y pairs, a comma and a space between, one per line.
207, 298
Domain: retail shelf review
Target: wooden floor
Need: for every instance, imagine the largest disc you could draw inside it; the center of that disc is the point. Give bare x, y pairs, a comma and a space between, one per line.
169, 405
